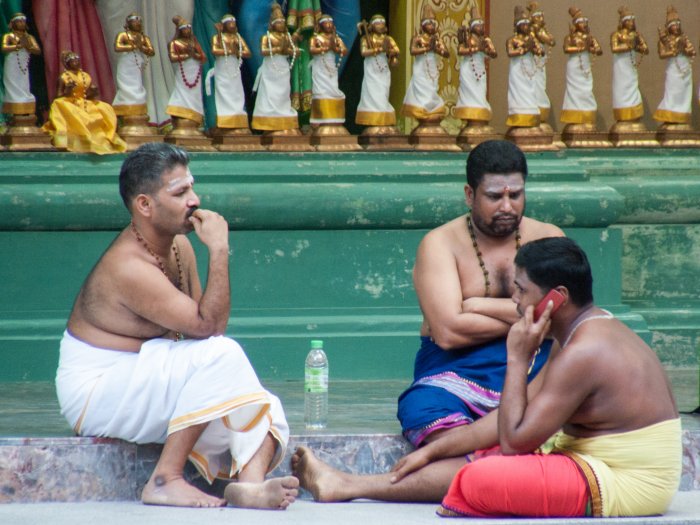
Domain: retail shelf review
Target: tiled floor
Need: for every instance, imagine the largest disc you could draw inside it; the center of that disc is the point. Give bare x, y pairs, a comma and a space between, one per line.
30, 409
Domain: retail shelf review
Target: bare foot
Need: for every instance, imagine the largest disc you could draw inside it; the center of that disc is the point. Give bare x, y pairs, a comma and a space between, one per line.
177, 492
276, 493
323, 481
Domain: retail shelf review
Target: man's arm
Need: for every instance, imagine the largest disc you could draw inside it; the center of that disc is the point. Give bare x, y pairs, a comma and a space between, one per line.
439, 291
150, 294
463, 440
523, 425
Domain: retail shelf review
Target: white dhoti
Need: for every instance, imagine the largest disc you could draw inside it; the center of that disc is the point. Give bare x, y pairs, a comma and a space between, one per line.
229, 96
626, 98
676, 106
540, 80
523, 108
472, 103
131, 95
169, 386
327, 101
273, 105
422, 101
186, 99
580, 106
18, 97
374, 108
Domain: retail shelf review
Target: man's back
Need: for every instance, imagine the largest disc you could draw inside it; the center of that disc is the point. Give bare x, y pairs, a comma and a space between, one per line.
628, 386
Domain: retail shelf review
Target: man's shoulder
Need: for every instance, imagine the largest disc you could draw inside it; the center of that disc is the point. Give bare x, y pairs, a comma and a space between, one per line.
532, 229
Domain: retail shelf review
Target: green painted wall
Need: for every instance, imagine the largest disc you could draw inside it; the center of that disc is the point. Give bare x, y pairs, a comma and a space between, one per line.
324, 247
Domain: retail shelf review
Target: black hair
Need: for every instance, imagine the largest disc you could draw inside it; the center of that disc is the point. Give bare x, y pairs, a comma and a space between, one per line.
496, 157
558, 261
142, 169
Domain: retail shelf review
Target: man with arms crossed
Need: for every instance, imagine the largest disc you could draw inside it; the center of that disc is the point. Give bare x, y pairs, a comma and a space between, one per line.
619, 452
464, 279
144, 359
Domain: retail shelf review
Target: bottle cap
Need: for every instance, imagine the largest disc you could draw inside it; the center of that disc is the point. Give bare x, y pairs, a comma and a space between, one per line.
317, 343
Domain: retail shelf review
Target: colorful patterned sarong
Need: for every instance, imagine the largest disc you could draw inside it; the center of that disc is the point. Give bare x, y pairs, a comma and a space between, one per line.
453, 388
535, 485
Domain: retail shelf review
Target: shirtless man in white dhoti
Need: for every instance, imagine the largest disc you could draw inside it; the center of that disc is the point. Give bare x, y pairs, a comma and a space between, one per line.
144, 358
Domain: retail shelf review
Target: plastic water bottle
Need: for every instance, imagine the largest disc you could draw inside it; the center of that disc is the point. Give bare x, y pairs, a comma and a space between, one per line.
316, 387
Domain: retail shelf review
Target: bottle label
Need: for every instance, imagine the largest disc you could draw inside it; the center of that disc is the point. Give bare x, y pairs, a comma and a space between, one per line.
315, 380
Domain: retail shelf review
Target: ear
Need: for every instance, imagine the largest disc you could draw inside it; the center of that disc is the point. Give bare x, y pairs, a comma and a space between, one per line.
469, 195
143, 205
565, 292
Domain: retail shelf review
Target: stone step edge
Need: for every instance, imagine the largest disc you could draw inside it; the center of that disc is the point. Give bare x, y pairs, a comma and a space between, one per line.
72, 469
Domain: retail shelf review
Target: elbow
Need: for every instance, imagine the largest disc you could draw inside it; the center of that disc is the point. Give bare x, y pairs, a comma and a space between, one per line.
513, 447
447, 339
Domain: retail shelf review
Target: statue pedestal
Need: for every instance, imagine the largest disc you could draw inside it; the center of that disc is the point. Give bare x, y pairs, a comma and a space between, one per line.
134, 129
186, 134
677, 136
240, 139
24, 135
532, 139
474, 132
632, 135
383, 138
333, 137
584, 136
286, 140
429, 135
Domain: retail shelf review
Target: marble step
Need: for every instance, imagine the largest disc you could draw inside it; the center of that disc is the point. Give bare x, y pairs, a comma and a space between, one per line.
73, 469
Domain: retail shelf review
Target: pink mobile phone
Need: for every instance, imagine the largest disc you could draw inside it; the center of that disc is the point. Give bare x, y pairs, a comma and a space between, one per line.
556, 297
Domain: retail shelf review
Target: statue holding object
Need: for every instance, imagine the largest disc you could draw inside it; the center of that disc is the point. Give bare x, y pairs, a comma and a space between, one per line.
232, 132
422, 101
327, 50
674, 111
523, 103
273, 113
580, 109
185, 105
134, 49
18, 46
628, 47
380, 53
474, 48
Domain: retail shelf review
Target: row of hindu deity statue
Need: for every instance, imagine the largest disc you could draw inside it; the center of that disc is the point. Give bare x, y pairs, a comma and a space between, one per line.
79, 121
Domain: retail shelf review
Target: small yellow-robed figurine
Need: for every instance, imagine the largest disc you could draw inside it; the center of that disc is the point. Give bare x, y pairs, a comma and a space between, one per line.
78, 120
18, 46
229, 48
678, 51
134, 49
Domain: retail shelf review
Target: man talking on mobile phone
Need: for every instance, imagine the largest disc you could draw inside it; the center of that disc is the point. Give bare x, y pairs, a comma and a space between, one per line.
463, 277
